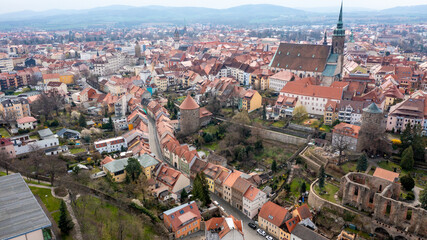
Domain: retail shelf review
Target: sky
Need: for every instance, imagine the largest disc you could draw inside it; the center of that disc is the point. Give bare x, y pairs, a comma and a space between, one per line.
42, 5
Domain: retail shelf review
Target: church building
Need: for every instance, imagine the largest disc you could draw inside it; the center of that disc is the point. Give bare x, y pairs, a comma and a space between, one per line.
324, 62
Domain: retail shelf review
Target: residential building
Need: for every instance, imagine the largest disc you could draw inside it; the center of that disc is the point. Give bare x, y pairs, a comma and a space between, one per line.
251, 101
183, 220
54, 77
219, 182
224, 228
301, 232
26, 123
14, 108
260, 79
211, 172
6, 147
253, 200
12, 80
171, 180
228, 184
67, 78
331, 113
345, 135
110, 145
21, 216
116, 168
351, 111
410, 111
279, 80
59, 87
272, 218
6, 64
238, 189
312, 97
68, 134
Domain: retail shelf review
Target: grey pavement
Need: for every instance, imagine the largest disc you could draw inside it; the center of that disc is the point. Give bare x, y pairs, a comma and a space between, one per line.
250, 234
153, 140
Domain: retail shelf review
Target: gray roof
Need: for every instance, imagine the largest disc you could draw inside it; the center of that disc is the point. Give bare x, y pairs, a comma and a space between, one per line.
64, 130
373, 108
117, 165
45, 133
306, 233
20, 213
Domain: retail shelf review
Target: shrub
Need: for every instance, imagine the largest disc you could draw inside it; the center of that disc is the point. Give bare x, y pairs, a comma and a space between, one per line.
407, 182
410, 196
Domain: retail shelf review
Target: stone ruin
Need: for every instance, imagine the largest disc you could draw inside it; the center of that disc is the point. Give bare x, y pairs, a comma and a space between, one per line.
380, 198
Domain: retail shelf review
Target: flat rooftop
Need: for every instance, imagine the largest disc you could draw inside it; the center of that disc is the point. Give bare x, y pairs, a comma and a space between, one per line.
20, 213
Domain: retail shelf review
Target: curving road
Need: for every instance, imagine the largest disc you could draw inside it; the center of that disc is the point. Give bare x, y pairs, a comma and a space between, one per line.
153, 139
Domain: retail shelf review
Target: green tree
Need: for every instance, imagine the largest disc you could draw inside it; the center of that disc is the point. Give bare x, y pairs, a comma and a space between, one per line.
274, 166
110, 124
407, 161
201, 189
133, 169
82, 121
303, 188
264, 112
299, 113
423, 198
362, 163
64, 223
407, 182
321, 177
184, 195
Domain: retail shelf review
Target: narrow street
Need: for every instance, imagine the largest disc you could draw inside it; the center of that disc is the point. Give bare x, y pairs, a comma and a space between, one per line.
250, 234
152, 138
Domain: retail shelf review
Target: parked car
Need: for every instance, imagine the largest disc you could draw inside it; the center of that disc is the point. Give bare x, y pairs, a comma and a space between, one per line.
268, 237
252, 225
261, 232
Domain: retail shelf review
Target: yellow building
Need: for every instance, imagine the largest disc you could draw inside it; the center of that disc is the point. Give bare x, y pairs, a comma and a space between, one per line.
330, 115
15, 108
251, 101
67, 78
117, 170
211, 172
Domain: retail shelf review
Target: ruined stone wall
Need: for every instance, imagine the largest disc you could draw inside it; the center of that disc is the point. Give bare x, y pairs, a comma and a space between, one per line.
380, 197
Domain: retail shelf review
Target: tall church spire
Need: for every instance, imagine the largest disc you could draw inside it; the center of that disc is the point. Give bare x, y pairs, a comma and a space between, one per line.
325, 39
338, 38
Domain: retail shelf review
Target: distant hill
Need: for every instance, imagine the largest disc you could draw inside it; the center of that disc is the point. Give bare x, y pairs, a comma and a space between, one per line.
120, 15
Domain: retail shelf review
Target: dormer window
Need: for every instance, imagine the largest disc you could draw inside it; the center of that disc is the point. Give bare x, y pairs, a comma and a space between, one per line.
313, 56
280, 52
269, 216
287, 53
299, 54
287, 65
315, 69
278, 64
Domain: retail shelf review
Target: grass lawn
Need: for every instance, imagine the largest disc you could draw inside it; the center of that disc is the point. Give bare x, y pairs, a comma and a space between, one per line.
35, 137
2, 174
389, 165
359, 233
211, 129
296, 184
349, 167
77, 150
104, 221
325, 128
212, 146
36, 182
330, 192
4, 132
279, 124
52, 204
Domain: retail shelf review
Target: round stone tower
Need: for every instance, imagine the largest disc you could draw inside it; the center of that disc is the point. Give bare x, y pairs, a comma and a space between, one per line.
371, 134
189, 120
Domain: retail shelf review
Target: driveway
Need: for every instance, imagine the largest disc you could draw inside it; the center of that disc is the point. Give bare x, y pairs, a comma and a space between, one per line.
250, 234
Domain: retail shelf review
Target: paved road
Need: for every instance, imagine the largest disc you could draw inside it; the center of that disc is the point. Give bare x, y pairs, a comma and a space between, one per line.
250, 234
153, 140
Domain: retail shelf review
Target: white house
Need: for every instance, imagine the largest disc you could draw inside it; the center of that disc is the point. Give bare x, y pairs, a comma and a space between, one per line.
26, 123
312, 97
110, 145
253, 200
345, 134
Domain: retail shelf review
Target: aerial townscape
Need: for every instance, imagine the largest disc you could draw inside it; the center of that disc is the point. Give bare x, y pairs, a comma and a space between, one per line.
251, 122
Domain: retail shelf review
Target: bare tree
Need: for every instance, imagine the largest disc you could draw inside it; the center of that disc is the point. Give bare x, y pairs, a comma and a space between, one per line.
47, 103
340, 143
9, 117
5, 161
53, 166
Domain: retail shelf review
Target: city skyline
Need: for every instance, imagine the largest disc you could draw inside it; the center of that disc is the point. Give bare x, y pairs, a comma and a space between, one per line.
46, 5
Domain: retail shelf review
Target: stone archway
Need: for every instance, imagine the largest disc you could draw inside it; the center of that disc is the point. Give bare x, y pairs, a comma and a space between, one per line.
399, 238
381, 233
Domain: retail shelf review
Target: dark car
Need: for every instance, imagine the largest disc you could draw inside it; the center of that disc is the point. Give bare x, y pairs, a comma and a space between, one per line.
252, 225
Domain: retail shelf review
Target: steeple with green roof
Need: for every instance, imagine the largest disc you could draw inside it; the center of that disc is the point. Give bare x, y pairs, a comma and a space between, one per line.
338, 38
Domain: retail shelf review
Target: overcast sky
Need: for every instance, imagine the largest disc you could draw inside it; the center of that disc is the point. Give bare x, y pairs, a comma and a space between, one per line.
41, 5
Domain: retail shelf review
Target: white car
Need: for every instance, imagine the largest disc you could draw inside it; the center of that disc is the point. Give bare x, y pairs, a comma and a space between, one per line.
261, 232
268, 237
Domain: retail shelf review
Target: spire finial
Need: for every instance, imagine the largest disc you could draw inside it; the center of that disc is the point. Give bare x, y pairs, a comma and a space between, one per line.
340, 17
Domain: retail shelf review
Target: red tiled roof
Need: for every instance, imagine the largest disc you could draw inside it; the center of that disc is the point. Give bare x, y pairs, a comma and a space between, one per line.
273, 213
26, 120
386, 174
189, 104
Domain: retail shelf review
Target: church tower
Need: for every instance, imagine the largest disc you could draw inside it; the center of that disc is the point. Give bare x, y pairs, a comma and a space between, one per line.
176, 35
137, 49
338, 38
